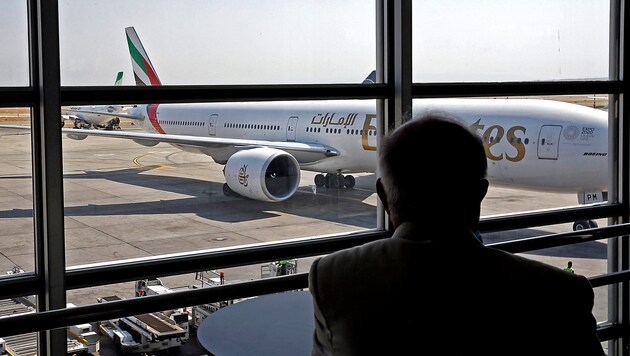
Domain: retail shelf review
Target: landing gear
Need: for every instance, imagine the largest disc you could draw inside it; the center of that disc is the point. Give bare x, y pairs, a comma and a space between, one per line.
227, 191
584, 224
80, 124
349, 181
335, 180
320, 180
111, 125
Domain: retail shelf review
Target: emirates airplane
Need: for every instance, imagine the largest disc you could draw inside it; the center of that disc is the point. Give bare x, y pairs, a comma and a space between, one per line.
531, 144
85, 117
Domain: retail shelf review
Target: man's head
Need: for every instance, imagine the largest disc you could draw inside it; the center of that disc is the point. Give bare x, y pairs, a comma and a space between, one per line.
433, 169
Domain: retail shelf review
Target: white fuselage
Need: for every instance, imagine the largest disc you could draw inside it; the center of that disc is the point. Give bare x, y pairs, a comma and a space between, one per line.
534, 144
88, 113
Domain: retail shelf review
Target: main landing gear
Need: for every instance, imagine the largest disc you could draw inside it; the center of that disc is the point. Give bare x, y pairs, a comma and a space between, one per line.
584, 224
334, 180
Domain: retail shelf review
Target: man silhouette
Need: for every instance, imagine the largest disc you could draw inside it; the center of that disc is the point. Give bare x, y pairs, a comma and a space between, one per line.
409, 294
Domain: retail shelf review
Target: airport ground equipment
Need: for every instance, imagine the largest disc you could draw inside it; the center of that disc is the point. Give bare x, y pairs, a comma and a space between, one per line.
197, 313
145, 333
81, 339
279, 268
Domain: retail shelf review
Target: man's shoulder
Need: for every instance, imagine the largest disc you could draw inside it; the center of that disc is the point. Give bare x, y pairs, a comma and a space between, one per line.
529, 268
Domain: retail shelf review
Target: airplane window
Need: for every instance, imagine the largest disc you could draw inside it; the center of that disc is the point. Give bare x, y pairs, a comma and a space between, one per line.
526, 141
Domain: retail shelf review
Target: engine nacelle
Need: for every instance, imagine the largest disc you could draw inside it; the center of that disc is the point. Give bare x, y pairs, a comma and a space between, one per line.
76, 136
266, 174
146, 143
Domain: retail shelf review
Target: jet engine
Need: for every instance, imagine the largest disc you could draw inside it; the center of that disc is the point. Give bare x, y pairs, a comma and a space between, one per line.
263, 173
76, 136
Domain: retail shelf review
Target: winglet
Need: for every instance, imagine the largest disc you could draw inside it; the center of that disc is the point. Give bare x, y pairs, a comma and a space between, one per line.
143, 69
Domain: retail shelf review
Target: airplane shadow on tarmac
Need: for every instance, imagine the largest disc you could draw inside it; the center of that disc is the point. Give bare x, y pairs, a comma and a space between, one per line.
203, 198
589, 249
206, 199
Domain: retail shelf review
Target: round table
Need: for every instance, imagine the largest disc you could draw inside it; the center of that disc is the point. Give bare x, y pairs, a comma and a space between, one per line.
272, 324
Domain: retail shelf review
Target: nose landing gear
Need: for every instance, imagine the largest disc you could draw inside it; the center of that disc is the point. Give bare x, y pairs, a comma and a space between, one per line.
584, 224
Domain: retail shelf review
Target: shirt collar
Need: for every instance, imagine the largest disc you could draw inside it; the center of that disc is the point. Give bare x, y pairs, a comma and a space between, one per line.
446, 234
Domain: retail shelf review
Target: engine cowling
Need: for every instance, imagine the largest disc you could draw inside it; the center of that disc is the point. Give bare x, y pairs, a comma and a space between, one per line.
266, 174
146, 143
76, 136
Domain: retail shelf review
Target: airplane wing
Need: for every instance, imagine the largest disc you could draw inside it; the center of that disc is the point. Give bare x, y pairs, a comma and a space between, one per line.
104, 113
313, 149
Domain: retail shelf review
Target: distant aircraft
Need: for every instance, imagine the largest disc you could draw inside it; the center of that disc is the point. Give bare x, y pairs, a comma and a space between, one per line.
532, 144
87, 117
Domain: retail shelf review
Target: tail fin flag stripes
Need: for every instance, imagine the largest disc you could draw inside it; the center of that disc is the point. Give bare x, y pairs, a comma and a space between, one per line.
143, 69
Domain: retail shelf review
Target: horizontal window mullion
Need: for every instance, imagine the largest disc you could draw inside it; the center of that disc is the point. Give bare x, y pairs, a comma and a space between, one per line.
53, 319
196, 94
550, 216
126, 271
20, 285
562, 239
435, 90
22, 96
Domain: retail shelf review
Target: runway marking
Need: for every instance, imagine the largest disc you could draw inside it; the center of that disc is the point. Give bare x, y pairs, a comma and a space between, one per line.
136, 161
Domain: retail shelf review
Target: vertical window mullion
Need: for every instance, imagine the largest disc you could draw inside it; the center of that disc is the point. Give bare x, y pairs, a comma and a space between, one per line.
619, 163
47, 168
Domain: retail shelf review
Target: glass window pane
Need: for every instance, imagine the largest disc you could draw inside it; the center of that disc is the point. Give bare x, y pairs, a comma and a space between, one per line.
14, 67
16, 192
510, 40
259, 172
228, 42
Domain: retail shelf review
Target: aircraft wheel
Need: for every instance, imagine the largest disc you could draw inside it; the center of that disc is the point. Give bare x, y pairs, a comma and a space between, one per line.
349, 181
334, 180
320, 180
581, 225
227, 191
592, 224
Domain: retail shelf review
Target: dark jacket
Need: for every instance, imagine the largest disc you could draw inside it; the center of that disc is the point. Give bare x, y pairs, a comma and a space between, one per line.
413, 295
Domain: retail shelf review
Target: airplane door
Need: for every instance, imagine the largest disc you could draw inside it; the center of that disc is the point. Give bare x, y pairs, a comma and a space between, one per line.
291, 127
212, 124
548, 141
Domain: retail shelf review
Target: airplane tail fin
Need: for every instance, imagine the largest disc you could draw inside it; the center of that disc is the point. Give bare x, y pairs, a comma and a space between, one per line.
143, 69
370, 79
119, 77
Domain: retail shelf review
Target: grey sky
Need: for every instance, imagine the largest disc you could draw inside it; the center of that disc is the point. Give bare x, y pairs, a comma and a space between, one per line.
319, 41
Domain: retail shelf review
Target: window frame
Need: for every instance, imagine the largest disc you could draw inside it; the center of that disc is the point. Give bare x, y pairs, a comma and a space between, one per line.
394, 92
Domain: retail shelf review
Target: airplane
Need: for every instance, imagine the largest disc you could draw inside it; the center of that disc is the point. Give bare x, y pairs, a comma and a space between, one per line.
87, 117
533, 144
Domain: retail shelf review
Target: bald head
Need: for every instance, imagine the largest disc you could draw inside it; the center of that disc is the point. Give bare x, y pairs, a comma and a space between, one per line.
432, 166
